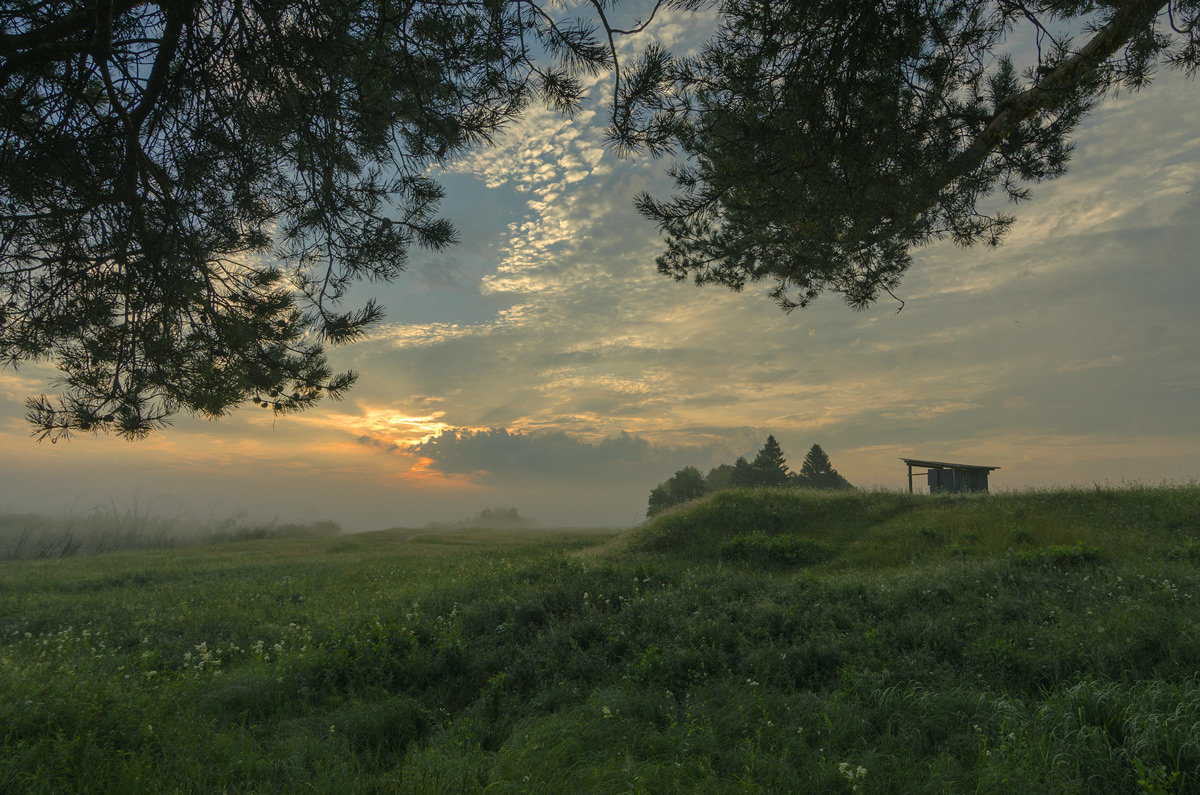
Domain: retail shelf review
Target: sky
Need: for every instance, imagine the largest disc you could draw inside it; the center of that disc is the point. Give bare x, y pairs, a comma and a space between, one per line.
542, 363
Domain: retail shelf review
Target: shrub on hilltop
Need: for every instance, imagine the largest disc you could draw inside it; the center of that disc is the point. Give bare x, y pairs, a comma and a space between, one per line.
769, 468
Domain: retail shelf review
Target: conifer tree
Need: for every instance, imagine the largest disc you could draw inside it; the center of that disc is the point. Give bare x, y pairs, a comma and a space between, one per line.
817, 472
189, 190
820, 142
719, 477
769, 465
743, 473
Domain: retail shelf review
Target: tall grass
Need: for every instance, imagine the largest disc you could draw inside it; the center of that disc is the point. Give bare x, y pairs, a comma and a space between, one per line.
112, 528
930, 647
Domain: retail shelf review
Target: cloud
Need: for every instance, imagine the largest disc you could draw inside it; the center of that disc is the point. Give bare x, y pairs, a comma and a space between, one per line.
366, 440
501, 455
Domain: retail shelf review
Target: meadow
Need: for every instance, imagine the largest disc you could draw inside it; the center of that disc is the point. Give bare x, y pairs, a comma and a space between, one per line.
752, 641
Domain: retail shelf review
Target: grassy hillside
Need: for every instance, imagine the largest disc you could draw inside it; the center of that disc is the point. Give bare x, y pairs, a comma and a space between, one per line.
754, 641
882, 532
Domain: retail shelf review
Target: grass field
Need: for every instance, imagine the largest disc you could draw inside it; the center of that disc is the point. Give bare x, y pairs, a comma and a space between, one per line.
755, 641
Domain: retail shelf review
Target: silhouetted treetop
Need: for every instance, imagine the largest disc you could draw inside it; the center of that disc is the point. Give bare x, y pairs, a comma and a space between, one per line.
743, 473
686, 484
189, 189
817, 472
719, 477
768, 469
770, 466
821, 141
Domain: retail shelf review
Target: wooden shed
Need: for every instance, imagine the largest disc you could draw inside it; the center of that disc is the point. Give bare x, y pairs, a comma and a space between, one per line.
946, 477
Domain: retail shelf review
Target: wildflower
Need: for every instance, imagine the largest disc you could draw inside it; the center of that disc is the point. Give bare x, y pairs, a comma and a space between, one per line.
853, 775
606, 712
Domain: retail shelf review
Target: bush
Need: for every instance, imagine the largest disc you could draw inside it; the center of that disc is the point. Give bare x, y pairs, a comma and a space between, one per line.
763, 549
323, 528
1060, 556
1188, 550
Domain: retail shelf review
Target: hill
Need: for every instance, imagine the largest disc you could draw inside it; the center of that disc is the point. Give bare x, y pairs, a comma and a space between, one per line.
773, 641
855, 531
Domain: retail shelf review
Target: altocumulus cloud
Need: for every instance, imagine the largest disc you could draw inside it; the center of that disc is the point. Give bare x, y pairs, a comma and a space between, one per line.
497, 454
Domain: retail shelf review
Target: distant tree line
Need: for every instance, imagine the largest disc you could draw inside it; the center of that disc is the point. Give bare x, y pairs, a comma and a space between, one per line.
491, 519
769, 468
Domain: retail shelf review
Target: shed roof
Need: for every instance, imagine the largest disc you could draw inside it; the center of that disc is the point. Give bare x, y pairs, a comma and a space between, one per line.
916, 462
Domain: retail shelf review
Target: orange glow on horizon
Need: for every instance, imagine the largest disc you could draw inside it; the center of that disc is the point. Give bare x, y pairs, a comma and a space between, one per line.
422, 473
392, 427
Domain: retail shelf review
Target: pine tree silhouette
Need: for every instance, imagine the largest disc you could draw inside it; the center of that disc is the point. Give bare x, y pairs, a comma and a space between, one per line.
743, 473
817, 472
770, 466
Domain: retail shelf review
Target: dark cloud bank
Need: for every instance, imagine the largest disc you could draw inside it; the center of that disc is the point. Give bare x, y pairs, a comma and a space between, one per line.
512, 455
